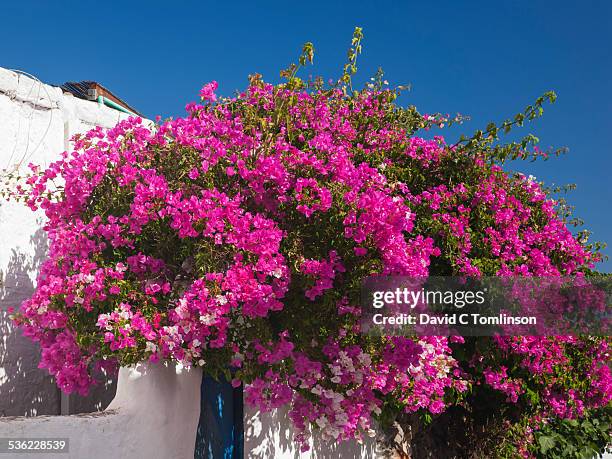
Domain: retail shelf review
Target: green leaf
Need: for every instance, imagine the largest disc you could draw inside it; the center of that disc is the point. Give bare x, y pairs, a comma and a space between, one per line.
546, 443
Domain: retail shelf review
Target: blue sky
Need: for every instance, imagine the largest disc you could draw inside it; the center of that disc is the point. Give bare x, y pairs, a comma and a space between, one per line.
481, 58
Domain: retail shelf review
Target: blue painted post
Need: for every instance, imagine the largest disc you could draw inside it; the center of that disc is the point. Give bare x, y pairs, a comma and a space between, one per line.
220, 430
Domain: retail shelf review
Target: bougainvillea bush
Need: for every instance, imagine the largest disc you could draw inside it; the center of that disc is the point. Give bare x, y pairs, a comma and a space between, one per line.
236, 238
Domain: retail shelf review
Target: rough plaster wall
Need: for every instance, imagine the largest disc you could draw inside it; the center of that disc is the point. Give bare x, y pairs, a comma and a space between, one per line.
153, 416
35, 122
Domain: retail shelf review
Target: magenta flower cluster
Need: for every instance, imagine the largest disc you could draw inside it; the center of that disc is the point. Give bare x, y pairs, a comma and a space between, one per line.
234, 239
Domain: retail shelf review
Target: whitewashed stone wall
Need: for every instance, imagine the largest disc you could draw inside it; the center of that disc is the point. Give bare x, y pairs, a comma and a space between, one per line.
154, 416
36, 121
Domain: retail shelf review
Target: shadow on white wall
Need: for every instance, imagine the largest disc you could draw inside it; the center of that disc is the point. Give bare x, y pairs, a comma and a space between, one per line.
24, 389
270, 435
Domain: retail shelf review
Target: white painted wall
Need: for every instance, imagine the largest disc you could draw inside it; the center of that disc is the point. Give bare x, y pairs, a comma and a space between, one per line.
154, 416
36, 121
